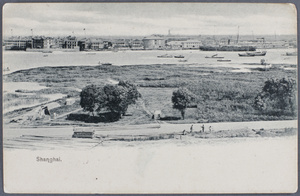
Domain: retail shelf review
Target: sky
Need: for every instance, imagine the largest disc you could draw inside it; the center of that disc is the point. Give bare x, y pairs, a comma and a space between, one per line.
144, 19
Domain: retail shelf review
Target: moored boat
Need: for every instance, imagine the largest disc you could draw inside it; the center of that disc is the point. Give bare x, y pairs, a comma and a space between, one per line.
245, 55
182, 60
165, 56
291, 54
179, 56
257, 53
223, 60
215, 56
104, 63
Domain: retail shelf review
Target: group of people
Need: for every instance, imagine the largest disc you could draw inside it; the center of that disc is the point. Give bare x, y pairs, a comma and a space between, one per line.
202, 130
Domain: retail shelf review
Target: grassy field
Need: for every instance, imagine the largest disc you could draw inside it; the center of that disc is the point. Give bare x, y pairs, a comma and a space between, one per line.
222, 95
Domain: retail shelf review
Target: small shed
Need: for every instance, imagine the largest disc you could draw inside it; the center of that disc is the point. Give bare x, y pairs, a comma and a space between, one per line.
156, 114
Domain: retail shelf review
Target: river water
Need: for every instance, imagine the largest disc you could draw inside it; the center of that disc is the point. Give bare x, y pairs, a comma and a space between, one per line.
18, 60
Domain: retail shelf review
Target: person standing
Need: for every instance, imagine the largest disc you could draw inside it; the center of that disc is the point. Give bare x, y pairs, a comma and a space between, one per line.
202, 128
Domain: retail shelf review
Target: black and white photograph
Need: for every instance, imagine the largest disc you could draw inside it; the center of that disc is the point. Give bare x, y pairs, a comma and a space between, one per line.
163, 98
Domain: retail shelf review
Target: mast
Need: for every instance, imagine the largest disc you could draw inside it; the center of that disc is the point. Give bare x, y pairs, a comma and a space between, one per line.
238, 35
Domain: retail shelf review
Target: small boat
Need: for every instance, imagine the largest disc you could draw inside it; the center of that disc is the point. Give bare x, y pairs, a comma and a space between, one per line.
245, 55
215, 56
257, 53
45, 55
179, 56
165, 56
224, 60
104, 63
182, 60
291, 54
47, 51
83, 134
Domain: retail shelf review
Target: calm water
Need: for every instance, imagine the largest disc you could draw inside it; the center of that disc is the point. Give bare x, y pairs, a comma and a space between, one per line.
17, 60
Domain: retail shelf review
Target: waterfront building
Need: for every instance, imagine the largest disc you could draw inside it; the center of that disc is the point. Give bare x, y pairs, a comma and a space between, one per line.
57, 43
174, 45
95, 44
83, 44
154, 42
48, 42
38, 42
136, 44
17, 43
70, 42
191, 44
122, 44
107, 44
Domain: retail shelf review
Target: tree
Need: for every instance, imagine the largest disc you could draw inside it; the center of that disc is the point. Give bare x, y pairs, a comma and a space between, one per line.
181, 98
115, 98
89, 98
277, 95
129, 95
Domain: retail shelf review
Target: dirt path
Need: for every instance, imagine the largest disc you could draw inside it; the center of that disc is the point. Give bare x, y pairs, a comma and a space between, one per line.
156, 128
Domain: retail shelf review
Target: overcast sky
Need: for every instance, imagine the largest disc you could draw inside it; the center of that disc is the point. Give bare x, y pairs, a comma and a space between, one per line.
142, 19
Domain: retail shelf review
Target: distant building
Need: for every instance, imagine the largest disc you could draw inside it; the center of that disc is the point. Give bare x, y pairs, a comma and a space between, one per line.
191, 44
48, 42
175, 45
154, 42
57, 43
136, 44
17, 43
121, 44
95, 44
107, 44
70, 42
83, 44
38, 42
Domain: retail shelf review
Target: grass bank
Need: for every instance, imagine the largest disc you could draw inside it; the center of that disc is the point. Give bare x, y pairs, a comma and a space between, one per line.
223, 95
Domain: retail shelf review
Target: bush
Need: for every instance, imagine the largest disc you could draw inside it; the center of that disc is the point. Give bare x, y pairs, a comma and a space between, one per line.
277, 97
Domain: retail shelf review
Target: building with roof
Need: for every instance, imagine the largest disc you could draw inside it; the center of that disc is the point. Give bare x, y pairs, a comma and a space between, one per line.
191, 44
154, 43
174, 45
95, 44
17, 43
48, 42
136, 44
121, 44
38, 42
70, 42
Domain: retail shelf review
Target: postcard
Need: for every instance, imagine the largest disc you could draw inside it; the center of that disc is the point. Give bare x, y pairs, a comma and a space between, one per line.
150, 98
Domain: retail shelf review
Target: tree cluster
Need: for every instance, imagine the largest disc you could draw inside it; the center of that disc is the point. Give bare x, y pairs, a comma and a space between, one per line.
277, 96
112, 98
